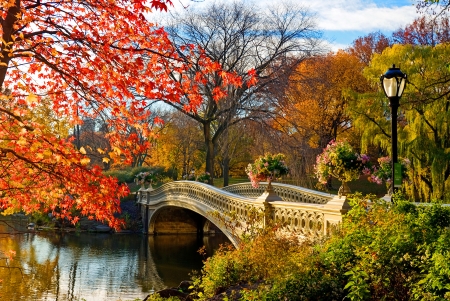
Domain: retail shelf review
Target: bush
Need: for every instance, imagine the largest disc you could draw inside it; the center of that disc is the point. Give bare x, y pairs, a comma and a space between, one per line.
157, 297
123, 176
268, 257
127, 175
390, 252
383, 251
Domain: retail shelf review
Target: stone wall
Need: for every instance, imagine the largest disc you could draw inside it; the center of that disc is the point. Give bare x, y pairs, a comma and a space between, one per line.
172, 220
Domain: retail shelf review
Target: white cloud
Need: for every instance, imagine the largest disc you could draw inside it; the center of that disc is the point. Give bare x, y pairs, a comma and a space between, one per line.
341, 20
341, 15
369, 18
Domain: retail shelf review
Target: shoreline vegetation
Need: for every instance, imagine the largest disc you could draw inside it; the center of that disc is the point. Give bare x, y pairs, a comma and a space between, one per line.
383, 251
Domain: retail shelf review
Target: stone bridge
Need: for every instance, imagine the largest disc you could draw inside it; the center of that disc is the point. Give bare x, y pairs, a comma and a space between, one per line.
187, 206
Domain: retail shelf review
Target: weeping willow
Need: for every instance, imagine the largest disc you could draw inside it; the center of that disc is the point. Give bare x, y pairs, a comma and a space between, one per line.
424, 116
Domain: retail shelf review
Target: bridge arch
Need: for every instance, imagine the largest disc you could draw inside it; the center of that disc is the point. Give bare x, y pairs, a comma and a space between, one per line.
204, 227
306, 211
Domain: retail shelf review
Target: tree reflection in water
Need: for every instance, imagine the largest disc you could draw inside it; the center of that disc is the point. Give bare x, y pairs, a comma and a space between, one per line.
71, 266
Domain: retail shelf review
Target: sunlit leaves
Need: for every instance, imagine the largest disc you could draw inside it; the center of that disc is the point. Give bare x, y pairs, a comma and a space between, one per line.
316, 102
63, 61
424, 115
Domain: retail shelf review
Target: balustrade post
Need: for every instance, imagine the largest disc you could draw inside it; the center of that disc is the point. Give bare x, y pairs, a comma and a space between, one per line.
333, 212
266, 198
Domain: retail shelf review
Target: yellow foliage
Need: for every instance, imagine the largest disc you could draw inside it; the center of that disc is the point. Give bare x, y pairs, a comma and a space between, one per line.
9, 211
82, 150
85, 161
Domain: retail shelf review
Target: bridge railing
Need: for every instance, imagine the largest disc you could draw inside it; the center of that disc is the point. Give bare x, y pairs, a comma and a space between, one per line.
209, 197
303, 211
289, 193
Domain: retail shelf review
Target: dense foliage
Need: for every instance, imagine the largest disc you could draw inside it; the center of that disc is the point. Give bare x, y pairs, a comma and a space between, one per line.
383, 251
423, 128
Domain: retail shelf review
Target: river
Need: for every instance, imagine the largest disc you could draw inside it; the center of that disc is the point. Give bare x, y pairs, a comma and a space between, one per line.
96, 267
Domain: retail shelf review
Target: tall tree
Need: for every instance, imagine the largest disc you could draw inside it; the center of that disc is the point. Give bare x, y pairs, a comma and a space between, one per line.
426, 30
84, 56
315, 107
246, 41
424, 116
364, 47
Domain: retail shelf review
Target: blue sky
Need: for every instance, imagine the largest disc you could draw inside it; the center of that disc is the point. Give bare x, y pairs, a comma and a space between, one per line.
343, 21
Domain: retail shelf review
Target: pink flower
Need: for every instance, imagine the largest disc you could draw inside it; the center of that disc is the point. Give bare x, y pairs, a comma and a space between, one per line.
365, 158
366, 171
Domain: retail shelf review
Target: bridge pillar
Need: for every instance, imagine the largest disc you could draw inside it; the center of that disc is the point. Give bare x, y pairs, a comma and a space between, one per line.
266, 198
333, 212
143, 197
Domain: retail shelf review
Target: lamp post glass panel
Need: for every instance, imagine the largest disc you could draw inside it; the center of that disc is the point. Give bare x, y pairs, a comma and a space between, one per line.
393, 83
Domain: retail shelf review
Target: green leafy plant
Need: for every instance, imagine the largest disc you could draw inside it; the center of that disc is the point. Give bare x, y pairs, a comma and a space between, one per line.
157, 297
383, 251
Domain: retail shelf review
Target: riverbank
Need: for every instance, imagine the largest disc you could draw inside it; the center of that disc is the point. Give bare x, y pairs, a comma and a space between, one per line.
129, 213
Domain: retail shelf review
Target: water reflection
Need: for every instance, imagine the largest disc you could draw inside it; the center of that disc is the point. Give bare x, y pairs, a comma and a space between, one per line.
74, 266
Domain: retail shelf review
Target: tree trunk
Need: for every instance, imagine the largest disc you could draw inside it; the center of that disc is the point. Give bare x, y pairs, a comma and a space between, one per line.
7, 25
226, 170
209, 150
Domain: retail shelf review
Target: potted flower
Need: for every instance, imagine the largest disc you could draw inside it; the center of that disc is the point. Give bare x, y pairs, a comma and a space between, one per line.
204, 177
339, 160
267, 168
146, 177
383, 172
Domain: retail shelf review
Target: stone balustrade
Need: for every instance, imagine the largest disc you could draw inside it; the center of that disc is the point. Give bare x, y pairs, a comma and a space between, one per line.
303, 211
288, 193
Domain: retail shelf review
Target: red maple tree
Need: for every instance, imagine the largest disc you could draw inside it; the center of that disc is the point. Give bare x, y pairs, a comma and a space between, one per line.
89, 57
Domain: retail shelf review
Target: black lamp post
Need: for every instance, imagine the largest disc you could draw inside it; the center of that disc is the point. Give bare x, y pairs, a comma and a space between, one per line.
393, 83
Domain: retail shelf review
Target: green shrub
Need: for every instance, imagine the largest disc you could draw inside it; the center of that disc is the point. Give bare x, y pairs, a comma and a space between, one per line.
267, 258
383, 251
391, 252
157, 297
128, 175
123, 176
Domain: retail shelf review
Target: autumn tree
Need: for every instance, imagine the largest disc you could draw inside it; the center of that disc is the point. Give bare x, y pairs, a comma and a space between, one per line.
424, 124
233, 154
315, 107
244, 40
426, 30
86, 57
178, 146
364, 47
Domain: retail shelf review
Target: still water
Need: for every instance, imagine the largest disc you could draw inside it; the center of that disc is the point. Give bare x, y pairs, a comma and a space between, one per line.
96, 267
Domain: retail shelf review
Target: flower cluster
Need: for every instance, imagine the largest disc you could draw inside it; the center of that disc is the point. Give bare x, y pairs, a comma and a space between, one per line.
340, 161
383, 172
204, 177
268, 167
146, 177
